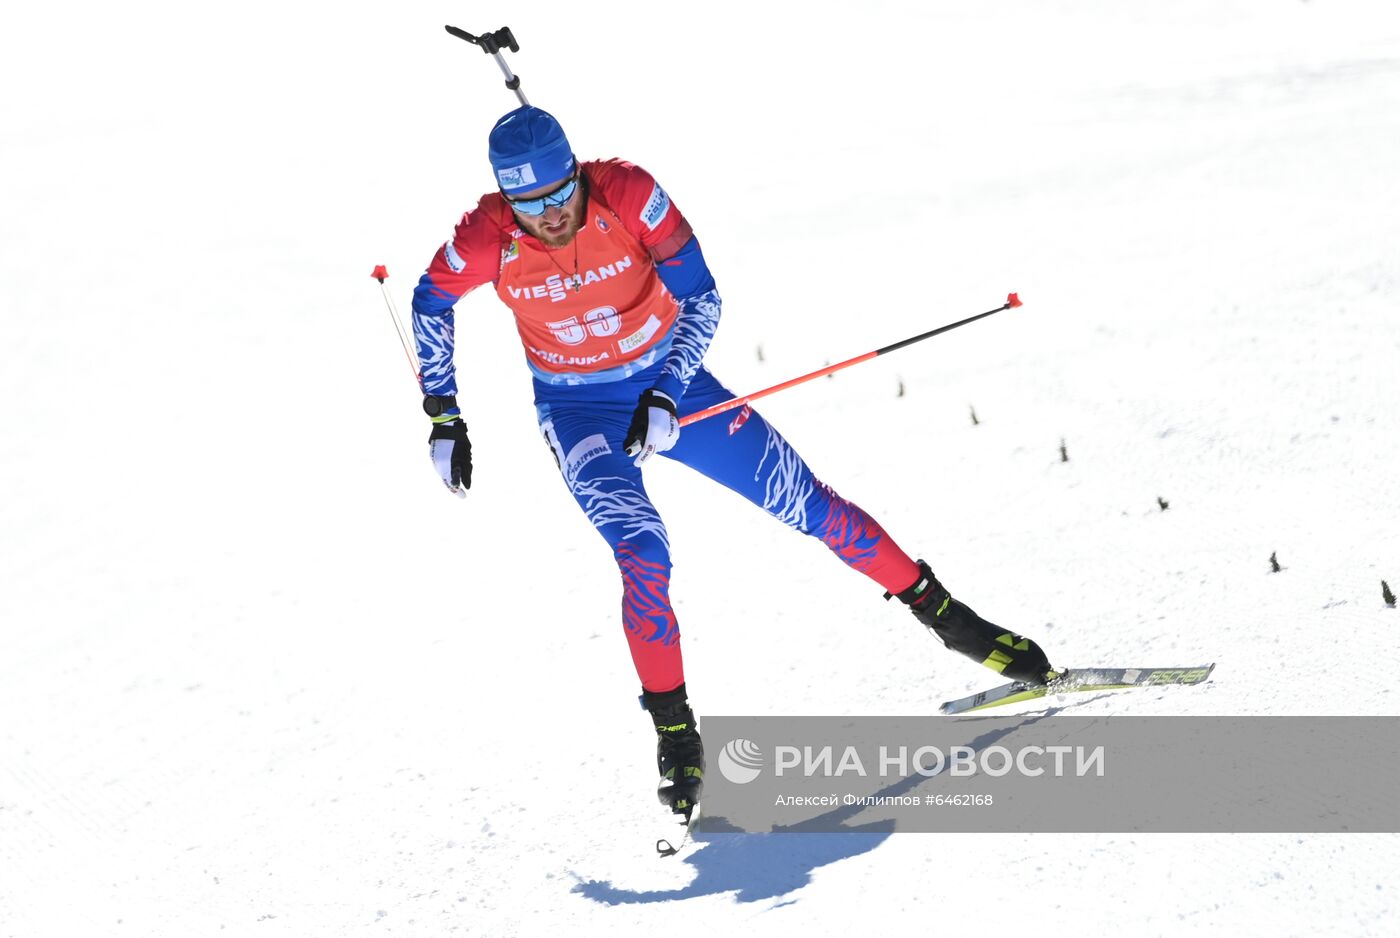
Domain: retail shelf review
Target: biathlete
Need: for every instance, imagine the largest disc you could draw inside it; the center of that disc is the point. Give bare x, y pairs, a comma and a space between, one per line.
616, 308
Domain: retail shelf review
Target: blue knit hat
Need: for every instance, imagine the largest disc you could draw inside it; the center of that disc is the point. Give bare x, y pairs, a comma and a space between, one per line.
529, 150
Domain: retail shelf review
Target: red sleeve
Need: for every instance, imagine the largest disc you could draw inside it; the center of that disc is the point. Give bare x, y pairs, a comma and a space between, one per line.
643, 206
473, 256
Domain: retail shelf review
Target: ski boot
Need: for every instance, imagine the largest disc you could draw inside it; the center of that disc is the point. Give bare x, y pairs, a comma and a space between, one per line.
680, 756
967, 633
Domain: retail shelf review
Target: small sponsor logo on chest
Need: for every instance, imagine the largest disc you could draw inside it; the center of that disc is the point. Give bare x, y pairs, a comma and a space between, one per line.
555, 286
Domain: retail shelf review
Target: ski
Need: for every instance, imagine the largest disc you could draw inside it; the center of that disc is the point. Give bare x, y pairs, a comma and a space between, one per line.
1077, 680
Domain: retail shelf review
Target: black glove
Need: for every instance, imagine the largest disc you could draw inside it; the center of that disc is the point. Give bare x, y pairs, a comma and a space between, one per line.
654, 427
452, 455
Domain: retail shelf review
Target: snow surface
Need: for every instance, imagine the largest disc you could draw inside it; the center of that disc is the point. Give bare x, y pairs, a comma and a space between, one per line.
260, 675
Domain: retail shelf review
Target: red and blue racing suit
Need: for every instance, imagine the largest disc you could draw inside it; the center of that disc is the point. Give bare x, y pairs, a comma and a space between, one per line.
630, 305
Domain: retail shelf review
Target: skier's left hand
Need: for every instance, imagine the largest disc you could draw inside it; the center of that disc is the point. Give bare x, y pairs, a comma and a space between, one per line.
654, 427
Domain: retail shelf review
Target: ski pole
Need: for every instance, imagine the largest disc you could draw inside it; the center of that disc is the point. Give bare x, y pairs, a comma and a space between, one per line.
491, 44
1012, 301
381, 274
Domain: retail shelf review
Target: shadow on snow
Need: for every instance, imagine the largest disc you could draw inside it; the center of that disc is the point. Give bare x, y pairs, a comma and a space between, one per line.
759, 866
755, 866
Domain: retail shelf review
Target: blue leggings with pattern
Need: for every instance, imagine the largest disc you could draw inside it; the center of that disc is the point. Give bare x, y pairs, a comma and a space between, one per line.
585, 426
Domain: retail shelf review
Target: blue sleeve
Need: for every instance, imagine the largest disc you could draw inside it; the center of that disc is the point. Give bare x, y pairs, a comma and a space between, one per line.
688, 278
433, 333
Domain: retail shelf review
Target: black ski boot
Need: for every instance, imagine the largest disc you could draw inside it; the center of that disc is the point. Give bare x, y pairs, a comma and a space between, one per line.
680, 756
967, 633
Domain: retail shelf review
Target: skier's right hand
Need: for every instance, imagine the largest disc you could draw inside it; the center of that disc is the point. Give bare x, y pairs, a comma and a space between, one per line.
452, 455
